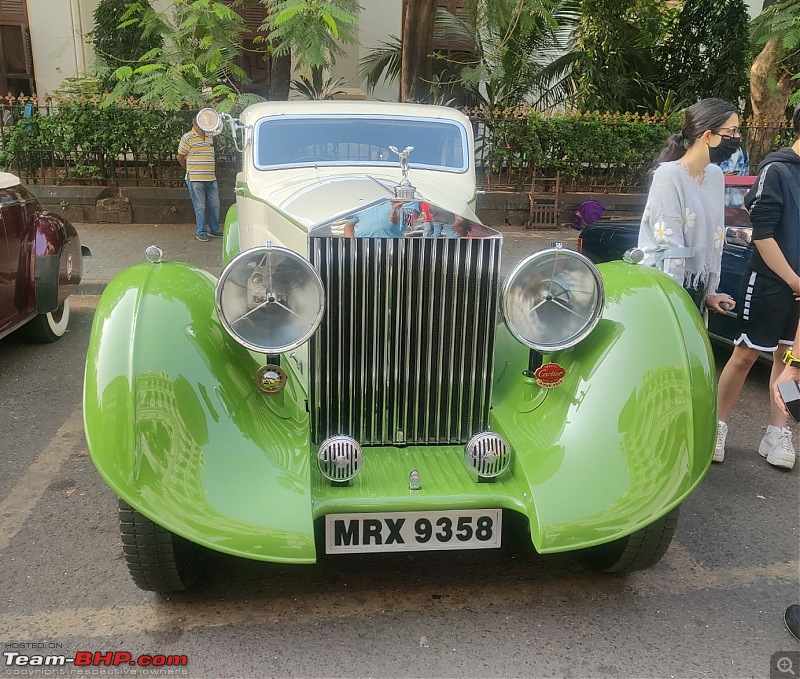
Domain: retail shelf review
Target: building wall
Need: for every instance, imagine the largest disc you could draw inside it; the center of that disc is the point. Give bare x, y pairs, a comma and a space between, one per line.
59, 50
378, 20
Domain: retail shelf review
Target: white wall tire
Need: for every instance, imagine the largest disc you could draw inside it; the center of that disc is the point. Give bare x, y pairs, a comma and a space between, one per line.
49, 327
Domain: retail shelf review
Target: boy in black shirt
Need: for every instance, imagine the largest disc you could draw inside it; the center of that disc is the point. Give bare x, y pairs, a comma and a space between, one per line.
770, 293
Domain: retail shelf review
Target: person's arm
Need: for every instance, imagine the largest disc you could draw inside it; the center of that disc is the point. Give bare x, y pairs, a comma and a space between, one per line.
350, 229
788, 373
183, 151
765, 202
773, 257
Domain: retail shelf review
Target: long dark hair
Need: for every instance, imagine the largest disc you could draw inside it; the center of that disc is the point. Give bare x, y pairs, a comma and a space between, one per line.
706, 114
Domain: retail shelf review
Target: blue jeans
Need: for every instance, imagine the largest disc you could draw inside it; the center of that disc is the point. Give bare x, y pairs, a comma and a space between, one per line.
205, 199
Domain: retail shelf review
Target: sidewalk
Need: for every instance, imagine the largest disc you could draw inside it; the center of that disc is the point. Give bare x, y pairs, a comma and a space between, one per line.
116, 247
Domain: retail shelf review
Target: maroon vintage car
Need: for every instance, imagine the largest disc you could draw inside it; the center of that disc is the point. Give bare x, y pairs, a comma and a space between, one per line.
41, 262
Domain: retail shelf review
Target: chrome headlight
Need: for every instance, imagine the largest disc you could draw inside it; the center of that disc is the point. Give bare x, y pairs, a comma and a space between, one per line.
270, 299
210, 121
553, 299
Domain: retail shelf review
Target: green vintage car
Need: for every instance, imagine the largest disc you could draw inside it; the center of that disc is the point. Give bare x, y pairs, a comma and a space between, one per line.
360, 378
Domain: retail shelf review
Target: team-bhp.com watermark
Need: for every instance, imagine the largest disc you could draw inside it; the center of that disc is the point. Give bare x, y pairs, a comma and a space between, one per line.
43, 660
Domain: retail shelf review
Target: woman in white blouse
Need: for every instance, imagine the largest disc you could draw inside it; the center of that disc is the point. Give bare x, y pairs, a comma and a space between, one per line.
685, 207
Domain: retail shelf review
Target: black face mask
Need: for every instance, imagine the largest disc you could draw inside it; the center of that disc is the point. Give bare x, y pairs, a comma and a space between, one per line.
727, 147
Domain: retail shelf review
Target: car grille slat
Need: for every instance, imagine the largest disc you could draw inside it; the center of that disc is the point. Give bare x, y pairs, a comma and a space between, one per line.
405, 353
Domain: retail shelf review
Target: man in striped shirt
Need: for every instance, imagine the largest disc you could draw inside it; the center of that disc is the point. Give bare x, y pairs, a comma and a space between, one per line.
196, 156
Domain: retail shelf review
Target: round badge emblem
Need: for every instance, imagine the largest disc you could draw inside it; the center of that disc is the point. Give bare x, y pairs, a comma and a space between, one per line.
549, 375
271, 379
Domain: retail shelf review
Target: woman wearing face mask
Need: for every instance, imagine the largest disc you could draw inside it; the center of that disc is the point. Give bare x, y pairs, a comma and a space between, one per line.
685, 206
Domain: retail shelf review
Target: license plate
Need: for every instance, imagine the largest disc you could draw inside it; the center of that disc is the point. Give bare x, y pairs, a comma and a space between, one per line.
413, 531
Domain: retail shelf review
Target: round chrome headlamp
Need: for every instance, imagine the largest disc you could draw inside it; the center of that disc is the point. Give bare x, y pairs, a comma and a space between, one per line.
270, 299
210, 121
553, 299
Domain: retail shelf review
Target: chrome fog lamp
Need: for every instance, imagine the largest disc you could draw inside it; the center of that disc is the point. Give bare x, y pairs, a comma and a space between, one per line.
553, 299
340, 459
270, 299
210, 121
487, 454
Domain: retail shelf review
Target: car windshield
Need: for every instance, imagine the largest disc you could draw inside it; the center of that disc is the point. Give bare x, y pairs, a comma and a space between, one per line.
359, 140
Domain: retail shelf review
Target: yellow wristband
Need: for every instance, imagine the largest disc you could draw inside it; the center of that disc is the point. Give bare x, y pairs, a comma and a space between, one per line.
791, 360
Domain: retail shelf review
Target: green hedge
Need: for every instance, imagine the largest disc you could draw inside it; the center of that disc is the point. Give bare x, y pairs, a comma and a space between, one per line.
85, 140
570, 143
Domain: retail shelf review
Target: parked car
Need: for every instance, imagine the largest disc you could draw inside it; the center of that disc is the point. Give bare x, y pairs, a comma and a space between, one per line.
605, 241
360, 379
41, 263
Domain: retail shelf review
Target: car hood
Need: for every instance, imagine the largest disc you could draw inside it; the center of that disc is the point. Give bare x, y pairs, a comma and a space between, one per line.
325, 195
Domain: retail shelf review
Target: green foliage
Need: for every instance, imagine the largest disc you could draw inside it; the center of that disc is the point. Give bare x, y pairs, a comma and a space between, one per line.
614, 54
306, 88
708, 52
781, 21
512, 44
83, 140
115, 46
575, 143
311, 30
196, 61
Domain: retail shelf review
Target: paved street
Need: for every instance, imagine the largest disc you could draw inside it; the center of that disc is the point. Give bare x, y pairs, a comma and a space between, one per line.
712, 608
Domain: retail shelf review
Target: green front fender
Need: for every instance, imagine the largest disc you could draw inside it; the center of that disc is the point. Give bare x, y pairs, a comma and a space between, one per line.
231, 244
629, 433
172, 418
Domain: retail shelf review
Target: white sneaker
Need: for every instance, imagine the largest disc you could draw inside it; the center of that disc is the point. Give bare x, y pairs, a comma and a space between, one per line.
722, 434
777, 447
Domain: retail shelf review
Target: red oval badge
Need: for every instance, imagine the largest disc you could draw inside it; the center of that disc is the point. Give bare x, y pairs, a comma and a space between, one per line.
549, 375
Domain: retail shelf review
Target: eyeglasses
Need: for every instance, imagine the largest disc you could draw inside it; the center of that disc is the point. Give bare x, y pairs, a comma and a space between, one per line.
734, 131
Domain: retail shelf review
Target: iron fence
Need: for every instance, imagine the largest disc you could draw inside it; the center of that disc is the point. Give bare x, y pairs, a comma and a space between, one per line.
504, 161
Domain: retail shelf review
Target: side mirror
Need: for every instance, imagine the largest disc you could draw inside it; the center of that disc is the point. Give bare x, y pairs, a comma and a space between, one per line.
739, 235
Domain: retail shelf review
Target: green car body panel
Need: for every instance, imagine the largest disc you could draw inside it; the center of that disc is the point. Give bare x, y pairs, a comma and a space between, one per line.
230, 241
177, 428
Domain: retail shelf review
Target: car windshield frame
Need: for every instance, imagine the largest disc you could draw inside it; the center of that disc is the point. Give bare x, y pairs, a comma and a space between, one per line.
263, 161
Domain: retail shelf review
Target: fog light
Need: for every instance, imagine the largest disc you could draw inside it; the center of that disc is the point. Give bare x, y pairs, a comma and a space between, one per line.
340, 459
488, 455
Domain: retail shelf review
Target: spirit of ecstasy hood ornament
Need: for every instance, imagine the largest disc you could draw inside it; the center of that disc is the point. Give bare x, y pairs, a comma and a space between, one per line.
404, 190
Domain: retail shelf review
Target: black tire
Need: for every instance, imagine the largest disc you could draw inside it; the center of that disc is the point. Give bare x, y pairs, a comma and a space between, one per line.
157, 560
638, 551
49, 327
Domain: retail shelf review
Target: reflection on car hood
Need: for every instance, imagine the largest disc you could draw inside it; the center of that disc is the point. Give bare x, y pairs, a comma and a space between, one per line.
406, 218
322, 198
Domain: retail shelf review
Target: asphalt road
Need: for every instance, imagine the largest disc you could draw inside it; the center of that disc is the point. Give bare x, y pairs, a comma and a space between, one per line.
712, 608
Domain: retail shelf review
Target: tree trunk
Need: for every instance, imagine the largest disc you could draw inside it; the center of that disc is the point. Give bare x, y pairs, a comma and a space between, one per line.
769, 102
416, 69
280, 76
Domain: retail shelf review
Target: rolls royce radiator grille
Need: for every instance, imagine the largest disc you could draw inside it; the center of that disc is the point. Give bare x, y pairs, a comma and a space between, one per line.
404, 354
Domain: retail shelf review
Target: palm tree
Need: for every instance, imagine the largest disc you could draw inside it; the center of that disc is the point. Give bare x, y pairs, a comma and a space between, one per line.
511, 43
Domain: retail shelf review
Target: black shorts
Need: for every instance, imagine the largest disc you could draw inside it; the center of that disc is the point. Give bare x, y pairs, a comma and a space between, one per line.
768, 313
